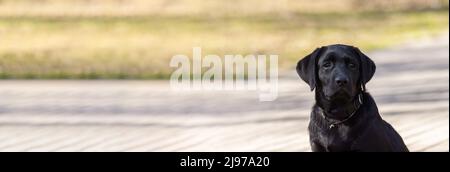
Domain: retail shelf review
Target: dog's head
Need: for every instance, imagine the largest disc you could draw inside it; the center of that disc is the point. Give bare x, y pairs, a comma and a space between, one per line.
338, 71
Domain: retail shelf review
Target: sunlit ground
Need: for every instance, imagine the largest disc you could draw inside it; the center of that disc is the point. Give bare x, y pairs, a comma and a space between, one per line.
136, 39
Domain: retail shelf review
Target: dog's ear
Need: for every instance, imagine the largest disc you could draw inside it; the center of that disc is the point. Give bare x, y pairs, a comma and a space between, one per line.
306, 68
367, 68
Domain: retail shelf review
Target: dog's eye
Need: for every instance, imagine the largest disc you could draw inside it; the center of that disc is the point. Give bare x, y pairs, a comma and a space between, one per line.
352, 65
327, 65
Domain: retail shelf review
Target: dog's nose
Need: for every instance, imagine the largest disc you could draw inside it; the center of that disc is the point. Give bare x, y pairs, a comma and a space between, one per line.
341, 81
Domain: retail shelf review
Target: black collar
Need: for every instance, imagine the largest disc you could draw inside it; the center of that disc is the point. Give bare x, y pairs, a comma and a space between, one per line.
357, 102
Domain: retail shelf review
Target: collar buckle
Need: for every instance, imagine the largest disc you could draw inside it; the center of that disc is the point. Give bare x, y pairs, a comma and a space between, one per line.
360, 102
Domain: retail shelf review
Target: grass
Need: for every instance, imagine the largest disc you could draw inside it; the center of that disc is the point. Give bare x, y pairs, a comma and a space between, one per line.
139, 46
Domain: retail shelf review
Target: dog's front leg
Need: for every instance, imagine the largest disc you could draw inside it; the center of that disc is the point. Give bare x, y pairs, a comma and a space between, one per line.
316, 147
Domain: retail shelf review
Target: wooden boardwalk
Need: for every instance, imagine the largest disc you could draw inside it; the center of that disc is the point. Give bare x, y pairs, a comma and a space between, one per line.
411, 88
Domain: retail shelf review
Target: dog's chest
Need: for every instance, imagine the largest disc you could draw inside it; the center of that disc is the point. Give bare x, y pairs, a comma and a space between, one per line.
336, 139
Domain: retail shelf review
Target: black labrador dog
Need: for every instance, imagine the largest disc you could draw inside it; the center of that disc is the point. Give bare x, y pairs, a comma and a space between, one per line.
345, 117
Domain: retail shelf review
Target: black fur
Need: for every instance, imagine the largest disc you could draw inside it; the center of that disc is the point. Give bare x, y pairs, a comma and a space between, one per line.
339, 73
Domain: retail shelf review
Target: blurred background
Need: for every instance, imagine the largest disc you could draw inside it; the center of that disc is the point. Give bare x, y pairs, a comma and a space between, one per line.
91, 75
135, 39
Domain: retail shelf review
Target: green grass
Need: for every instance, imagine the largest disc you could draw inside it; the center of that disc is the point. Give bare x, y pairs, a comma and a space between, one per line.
140, 47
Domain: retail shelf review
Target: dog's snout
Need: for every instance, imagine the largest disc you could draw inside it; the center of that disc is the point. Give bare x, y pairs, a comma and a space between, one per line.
341, 81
